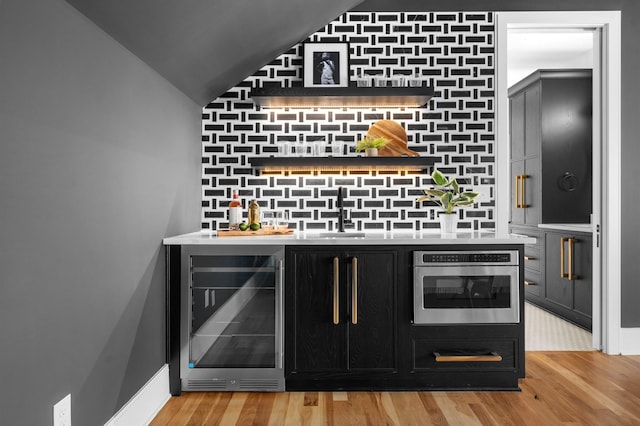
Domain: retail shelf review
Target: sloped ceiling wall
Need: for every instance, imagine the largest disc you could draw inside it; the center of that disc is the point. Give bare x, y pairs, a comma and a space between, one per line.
204, 47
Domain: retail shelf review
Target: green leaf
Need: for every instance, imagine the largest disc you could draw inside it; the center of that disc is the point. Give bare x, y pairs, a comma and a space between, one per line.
435, 192
439, 178
454, 185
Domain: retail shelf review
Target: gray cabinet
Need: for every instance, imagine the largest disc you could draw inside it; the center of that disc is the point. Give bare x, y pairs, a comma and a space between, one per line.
550, 139
568, 276
550, 160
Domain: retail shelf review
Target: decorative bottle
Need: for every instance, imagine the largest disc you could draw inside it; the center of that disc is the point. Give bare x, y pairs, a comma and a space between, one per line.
235, 211
254, 212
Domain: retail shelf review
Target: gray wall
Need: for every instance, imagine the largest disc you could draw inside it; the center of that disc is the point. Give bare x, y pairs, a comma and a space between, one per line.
630, 314
99, 161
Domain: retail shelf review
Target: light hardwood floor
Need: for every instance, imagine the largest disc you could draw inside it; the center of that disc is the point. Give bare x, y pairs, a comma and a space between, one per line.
580, 388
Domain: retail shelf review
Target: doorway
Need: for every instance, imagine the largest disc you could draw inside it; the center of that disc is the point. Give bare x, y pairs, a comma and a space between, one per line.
605, 27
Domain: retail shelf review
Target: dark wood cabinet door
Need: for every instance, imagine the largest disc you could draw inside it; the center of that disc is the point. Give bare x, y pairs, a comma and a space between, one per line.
316, 344
532, 117
517, 212
372, 319
558, 289
516, 126
583, 283
571, 298
532, 191
364, 338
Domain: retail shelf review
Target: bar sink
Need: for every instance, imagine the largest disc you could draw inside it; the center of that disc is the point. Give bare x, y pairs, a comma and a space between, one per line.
337, 234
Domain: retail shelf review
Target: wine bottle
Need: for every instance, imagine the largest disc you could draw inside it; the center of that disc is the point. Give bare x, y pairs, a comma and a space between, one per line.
235, 211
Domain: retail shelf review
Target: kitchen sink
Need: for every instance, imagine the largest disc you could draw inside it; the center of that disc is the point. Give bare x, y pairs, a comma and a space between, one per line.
336, 234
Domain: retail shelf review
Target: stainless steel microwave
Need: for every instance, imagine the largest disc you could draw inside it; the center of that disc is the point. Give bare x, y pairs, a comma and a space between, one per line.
466, 287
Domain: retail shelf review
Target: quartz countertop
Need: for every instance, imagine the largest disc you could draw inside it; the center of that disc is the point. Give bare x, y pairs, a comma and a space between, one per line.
206, 237
569, 227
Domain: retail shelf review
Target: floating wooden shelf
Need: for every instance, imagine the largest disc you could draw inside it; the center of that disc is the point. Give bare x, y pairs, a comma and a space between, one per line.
336, 97
340, 164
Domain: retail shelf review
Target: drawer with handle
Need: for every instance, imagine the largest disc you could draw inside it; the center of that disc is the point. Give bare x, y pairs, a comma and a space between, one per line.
467, 354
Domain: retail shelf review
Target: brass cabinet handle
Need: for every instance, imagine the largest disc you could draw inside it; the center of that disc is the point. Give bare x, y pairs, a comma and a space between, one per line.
529, 258
521, 202
490, 357
529, 282
570, 275
336, 290
523, 192
569, 268
354, 291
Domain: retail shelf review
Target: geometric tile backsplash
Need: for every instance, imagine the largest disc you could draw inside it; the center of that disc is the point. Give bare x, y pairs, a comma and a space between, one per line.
452, 52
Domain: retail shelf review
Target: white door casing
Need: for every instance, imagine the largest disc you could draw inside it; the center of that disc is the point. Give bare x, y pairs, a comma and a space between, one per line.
607, 153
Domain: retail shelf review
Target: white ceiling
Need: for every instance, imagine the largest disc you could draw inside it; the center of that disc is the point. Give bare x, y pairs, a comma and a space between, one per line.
529, 50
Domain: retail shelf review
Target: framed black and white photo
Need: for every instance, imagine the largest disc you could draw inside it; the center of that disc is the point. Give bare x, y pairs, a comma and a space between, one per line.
326, 64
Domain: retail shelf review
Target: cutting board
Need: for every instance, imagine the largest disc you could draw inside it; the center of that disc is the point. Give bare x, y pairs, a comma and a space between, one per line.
250, 233
395, 134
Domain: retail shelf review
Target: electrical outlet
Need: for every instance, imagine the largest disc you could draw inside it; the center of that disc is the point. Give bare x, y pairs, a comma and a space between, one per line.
62, 412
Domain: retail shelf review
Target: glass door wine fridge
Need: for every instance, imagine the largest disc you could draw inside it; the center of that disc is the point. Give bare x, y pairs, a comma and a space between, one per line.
232, 319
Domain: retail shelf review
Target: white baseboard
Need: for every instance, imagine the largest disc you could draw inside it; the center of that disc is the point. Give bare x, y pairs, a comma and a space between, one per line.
146, 403
630, 341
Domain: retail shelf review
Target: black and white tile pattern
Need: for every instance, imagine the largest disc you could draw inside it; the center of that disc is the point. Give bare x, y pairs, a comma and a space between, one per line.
451, 52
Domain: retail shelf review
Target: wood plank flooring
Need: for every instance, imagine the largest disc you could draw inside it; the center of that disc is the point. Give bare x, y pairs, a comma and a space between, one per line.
585, 388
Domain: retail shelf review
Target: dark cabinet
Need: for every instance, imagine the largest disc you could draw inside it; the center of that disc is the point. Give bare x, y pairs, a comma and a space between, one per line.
568, 273
550, 139
340, 316
533, 262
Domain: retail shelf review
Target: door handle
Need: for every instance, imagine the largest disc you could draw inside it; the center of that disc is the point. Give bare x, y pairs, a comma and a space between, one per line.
570, 275
354, 291
489, 357
569, 267
336, 290
521, 201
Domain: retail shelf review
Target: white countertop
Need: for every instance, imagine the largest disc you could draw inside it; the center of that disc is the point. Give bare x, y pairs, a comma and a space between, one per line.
206, 237
570, 227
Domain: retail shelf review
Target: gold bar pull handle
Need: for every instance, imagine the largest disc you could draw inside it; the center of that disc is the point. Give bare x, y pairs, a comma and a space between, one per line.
529, 282
570, 275
562, 268
523, 191
354, 291
336, 290
490, 357
529, 258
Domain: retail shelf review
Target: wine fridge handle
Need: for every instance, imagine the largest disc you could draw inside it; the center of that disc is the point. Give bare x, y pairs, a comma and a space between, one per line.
354, 291
336, 290
280, 283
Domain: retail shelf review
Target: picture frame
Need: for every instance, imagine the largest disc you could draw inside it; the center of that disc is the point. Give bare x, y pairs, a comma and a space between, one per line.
325, 64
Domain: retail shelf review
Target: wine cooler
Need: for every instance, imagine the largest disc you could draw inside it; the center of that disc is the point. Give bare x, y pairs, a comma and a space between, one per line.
232, 319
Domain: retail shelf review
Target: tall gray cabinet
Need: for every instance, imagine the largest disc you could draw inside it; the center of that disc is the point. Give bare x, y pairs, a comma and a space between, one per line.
551, 161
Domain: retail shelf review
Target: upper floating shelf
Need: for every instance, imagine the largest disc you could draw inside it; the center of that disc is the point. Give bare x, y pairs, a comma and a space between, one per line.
337, 97
342, 164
